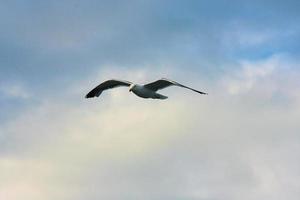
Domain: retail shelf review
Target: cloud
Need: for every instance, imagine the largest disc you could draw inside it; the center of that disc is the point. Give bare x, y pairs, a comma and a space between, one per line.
14, 90
85, 136
271, 79
123, 147
48, 44
239, 142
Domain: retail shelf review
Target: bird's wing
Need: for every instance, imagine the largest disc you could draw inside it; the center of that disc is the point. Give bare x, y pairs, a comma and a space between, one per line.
106, 85
163, 83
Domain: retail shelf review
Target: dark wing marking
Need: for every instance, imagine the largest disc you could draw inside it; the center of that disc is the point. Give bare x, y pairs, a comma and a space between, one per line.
106, 85
163, 83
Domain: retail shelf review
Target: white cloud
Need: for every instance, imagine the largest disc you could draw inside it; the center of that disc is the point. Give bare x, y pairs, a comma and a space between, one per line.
123, 147
251, 74
273, 78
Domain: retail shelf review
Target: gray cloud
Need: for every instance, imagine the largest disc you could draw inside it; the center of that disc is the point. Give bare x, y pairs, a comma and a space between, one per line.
56, 41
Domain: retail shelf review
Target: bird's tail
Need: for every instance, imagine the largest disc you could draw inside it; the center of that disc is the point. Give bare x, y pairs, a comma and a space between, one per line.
159, 96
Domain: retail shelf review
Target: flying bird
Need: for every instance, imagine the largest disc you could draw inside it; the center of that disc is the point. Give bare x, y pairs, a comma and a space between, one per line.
145, 91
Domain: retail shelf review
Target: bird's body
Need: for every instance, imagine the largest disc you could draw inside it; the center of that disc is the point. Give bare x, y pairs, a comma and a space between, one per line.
145, 91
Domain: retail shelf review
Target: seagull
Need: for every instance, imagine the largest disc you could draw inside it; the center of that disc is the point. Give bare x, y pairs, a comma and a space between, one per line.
145, 91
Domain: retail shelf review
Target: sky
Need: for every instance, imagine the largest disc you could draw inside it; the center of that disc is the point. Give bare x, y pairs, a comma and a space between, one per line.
239, 142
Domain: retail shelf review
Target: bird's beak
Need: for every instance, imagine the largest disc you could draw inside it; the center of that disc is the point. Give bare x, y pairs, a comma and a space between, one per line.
129, 89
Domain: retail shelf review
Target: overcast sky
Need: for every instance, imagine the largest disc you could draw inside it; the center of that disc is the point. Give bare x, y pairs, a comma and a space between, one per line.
241, 142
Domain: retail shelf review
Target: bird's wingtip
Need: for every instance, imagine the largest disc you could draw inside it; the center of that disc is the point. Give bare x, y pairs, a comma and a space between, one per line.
88, 96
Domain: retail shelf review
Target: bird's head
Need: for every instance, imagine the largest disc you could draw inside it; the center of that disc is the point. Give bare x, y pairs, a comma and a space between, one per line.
131, 87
